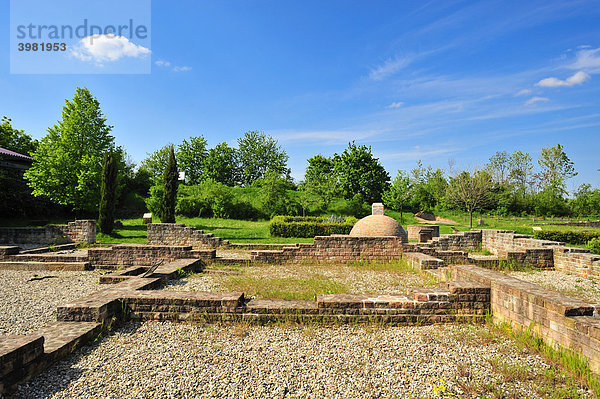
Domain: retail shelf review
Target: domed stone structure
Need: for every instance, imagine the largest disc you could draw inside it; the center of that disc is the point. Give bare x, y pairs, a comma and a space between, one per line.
378, 225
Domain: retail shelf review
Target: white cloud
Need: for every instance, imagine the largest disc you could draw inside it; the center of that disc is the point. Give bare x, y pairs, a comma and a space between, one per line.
107, 48
535, 100
182, 68
397, 104
417, 152
523, 92
167, 64
577, 79
587, 59
389, 67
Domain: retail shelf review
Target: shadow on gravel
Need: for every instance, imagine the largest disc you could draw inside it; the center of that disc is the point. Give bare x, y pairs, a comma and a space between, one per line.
61, 374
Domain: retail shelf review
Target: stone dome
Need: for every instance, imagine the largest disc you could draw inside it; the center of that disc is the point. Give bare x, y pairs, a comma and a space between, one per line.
377, 226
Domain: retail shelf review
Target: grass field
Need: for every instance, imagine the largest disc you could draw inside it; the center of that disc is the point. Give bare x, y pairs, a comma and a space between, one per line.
245, 231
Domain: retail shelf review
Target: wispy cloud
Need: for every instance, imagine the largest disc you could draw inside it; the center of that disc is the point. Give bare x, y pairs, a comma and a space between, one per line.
107, 48
576, 79
417, 152
390, 67
397, 104
524, 92
175, 68
535, 100
587, 59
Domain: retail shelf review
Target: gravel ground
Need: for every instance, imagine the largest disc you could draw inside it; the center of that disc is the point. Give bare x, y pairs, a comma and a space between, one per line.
164, 360
583, 287
356, 279
26, 306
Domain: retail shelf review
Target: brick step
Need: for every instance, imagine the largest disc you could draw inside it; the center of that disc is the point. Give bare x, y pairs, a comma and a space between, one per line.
422, 261
48, 257
62, 338
43, 266
326, 319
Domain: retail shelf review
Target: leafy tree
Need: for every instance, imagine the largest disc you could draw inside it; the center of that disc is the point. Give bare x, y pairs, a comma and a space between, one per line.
106, 217
259, 154
586, 202
398, 193
498, 167
16, 140
156, 163
556, 168
190, 156
274, 196
471, 191
360, 173
321, 179
521, 169
221, 164
69, 158
171, 182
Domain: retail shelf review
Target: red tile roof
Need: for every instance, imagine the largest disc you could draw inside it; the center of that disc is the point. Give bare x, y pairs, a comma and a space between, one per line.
10, 153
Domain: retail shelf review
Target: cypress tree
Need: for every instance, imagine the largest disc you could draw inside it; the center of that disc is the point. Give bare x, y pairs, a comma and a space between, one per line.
108, 199
171, 181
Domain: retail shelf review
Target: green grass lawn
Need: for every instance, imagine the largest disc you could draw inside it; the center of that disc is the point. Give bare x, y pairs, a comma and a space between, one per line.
243, 231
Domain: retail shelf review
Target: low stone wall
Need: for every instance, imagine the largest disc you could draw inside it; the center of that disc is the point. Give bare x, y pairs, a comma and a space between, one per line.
338, 248
461, 241
414, 230
558, 319
77, 231
126, 255
179, 234
541, 253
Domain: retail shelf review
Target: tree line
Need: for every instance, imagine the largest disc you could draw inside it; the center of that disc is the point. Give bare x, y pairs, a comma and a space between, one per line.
79, 167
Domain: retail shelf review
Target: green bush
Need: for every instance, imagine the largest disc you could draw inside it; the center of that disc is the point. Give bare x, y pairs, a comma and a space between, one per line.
308, 227
569, 237
594, 245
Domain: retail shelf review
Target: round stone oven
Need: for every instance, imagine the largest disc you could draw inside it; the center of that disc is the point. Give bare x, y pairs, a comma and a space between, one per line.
378, 225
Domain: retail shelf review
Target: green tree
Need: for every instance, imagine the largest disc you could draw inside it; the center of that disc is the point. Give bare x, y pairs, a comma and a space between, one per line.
274, 197
321, 179
220, 164
106, 216
156, 162
498, 167
398, 194
190, 157
69, 158
471, 191
520, 170
16, 140
171, 182
259, 154
360, 173
556, 168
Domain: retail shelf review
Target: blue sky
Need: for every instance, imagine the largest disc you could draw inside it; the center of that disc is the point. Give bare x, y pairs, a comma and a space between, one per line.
415, 80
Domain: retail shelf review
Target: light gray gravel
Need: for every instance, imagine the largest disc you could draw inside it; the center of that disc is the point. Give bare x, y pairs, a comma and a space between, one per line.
164, 360
26, 306
582, 287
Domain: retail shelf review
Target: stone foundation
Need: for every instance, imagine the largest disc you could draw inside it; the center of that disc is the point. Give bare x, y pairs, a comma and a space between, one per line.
77, 231
179, 234
414, 230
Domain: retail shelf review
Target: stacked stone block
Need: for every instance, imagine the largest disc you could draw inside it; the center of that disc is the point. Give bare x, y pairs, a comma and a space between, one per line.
414, 230
127, 255
77, 231
179, 234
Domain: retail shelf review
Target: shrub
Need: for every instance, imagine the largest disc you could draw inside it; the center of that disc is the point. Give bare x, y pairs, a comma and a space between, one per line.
569, 237
308, 227
594, 245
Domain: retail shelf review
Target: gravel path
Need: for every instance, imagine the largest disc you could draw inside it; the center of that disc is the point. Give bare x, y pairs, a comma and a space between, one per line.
582, 287
25, 306
356, 279
163, 360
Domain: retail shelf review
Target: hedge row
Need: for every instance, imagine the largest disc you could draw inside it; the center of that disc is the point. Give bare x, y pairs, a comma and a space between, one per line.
308, 227
569, 237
